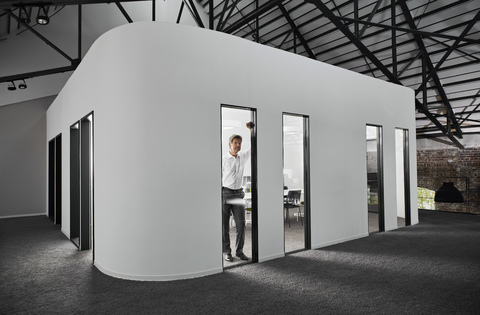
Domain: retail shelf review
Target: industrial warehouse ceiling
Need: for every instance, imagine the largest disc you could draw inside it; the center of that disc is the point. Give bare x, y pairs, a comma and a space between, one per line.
433, 47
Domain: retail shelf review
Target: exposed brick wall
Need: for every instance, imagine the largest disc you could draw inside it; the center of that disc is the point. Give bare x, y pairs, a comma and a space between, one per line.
453, 165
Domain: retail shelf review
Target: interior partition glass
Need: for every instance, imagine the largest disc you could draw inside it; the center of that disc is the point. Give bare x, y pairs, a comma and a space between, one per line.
239, 199
376, 221
295, 177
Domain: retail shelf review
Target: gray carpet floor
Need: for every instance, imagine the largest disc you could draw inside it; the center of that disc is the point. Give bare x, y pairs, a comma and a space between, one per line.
429, 268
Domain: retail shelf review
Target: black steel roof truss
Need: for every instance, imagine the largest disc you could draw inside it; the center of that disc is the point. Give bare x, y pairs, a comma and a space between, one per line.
74, 62
9, 4
380, 31
369, 19
285, 39
268, 21
193, 11
124, 12
18, 19
454, 46
413, 31
386, 48
363, 49
321, 6
34, 74
379, 50
220, 27
211, 17
222, 14
433, 73
296, 31
251, 16
180, 12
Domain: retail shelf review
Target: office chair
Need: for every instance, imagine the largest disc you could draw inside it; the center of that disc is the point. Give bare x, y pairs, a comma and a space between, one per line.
292, 201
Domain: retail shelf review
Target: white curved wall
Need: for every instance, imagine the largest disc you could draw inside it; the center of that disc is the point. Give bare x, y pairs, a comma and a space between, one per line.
156, 91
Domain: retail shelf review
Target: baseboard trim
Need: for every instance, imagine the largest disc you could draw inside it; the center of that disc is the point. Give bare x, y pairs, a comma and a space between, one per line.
66, 234
271, 257
22, 215
341, 240
158, 278
391, 228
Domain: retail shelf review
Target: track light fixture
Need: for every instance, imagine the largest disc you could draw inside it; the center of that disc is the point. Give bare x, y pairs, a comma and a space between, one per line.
22, 86
25, 15
42, 16
12, 87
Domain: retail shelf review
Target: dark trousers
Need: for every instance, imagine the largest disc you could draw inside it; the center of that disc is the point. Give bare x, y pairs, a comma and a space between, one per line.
238, 211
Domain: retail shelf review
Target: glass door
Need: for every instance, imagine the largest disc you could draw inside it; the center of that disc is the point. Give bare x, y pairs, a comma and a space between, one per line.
376, 221
295, 182
239, 186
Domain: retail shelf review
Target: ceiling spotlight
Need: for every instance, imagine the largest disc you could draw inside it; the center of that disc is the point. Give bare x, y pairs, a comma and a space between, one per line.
25, 15
42, 16
22, 86
12, 87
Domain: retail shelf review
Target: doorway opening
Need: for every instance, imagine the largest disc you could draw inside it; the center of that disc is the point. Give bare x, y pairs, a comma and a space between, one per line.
55, 180
296, 182
376, 211
81, 183
403, 177
239, 185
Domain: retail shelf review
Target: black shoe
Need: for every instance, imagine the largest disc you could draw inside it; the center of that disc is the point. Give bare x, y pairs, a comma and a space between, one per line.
228, 257
242, 256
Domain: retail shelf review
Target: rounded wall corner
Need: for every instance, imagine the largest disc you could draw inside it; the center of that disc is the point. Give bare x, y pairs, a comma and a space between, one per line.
171, 277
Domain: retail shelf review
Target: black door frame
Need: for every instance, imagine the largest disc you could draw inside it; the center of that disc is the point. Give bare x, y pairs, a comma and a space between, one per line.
55, 179
75, 183
253, 181
381, 188
306, 177
406, 175
81, 175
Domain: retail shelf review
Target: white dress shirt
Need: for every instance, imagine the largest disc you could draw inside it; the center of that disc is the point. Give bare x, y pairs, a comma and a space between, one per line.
232, 169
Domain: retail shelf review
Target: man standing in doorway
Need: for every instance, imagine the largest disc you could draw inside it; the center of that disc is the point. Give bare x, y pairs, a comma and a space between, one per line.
233, 164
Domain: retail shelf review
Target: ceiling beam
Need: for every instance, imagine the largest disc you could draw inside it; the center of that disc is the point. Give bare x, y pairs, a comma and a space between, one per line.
10, 4
369, 19
433, 73
252, 15
193, 11
365, 51
450, 50
296, 31
35, 74
354, 40
435, 121
412, 31
22, 22
124, 12
221, 24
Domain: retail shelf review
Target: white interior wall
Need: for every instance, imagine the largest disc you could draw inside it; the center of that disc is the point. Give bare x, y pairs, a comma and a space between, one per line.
157, 197
23, 158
